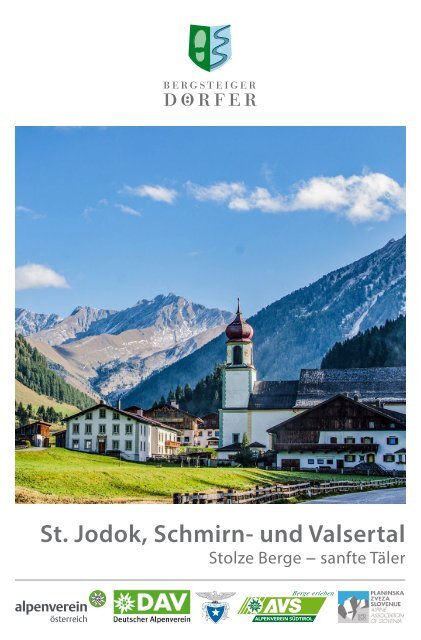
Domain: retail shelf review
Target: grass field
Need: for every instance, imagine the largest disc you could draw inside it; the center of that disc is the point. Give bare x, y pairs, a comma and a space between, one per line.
27, 396
59, 475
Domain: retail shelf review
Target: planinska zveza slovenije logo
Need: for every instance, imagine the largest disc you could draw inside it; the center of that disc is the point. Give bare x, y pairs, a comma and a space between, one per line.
210, 47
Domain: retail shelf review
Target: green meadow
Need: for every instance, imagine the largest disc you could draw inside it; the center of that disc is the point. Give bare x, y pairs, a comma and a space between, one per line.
59, 475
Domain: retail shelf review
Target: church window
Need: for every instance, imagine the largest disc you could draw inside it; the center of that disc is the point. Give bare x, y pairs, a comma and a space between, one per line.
237, 355
235, 438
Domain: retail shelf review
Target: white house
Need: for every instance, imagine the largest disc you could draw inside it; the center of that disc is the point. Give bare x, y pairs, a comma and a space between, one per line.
207, 434
105, 429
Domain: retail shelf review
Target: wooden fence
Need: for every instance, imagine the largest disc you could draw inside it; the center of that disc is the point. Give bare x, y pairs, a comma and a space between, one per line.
279, 492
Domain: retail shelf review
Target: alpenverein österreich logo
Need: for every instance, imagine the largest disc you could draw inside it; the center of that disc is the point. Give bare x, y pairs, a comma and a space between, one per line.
210, 47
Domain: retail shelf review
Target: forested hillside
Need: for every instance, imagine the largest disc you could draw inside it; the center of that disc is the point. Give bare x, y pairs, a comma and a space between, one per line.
204, 398
33, 371
383, 346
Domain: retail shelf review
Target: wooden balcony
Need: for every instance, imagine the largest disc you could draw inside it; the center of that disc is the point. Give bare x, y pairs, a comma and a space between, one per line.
325, 448
172, 444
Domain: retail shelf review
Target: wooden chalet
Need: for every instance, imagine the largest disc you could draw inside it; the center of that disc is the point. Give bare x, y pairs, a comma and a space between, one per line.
38, 433
341, 432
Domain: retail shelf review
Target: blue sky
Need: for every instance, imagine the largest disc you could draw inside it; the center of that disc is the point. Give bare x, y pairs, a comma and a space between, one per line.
108, 216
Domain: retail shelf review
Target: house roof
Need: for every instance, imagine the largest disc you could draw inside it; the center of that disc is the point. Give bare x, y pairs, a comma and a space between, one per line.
401, 451
279, 394
169, 406
31, 424
386, 384
257, 445
401, 421
236, 446
401, 417
132, 416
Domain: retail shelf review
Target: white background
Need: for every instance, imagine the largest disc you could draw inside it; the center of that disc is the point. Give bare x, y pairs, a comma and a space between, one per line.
102, 63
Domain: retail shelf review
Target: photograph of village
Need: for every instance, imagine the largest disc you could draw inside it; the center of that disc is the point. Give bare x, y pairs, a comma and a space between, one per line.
210, 315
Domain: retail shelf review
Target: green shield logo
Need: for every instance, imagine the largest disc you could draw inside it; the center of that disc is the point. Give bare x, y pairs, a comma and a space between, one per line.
210, 47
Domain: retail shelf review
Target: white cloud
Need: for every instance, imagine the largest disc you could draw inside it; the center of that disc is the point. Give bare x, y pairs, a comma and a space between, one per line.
371, 196
128, 210
30, 212
260, 199
98, 207
155, 192
38, 276
218, 192
21, 209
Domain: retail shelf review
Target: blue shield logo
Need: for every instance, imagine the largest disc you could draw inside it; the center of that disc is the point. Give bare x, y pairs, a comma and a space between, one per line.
215, 612
210, 47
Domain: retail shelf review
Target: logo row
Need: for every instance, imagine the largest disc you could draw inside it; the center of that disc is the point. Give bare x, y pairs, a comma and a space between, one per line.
215, 607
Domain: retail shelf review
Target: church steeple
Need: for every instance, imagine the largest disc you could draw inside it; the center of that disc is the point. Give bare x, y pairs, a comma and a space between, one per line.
239, 330
239, 373
239, 344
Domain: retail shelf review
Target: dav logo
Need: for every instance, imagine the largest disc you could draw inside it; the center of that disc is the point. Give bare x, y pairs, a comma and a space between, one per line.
152, 602
210, 47
214, 609
282, 608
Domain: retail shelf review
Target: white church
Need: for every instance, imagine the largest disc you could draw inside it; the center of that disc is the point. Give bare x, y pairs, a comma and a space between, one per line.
356, 409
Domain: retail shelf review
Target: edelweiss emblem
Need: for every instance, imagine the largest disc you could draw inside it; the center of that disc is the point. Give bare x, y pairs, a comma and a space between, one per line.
124, 602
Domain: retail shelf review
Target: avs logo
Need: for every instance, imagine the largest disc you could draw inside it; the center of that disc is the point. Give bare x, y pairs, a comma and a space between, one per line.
282, 608
353, 606
214, 609
210, 47
152, 602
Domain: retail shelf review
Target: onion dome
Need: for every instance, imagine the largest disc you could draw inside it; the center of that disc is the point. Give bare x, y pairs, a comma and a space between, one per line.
238, 329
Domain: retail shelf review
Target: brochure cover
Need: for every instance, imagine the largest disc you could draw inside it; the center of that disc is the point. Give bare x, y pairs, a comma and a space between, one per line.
204, 208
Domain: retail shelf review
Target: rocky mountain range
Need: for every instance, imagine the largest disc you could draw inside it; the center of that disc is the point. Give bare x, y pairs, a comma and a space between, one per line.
145, 350
29, 322
296, 331
107, 352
